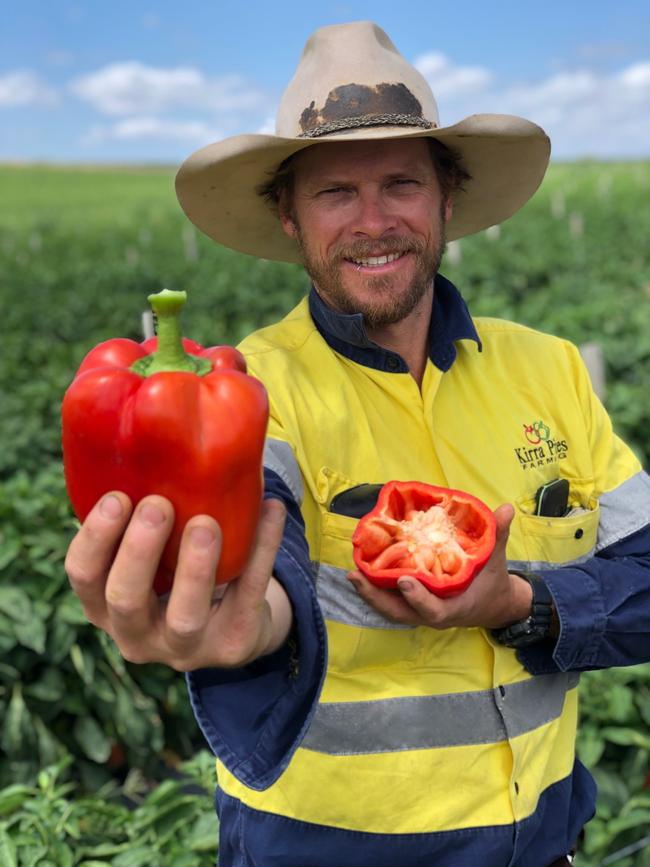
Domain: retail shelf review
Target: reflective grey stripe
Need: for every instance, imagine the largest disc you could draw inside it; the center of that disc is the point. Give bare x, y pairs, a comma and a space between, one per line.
339, 601
279, 457
536, 565
624, 510
428, 722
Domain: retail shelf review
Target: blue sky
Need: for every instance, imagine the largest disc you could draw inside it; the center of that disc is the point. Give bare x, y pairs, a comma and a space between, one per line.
146, 81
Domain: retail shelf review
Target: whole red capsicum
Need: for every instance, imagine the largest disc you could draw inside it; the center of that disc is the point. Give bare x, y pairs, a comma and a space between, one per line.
169, 417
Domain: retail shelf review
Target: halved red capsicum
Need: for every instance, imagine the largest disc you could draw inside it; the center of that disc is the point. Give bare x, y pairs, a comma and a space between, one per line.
440, 536
169, 417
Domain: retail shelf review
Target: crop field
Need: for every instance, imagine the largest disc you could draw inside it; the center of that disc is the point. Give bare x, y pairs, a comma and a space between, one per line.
84, 736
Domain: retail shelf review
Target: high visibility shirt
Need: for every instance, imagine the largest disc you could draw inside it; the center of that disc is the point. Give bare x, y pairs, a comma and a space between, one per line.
364, 741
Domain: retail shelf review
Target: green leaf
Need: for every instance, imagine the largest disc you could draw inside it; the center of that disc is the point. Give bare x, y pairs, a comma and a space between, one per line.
102, 689
94, 863
31, 635
636, 819
626, 737
643, 703
62, 853
142, 856
50, 686
92, 740
15, 722
204, 834
620, 702
50, 749
7, 849
166, 792
70, 610
112, 654
8, 672
613, 793
16, 604
10, 548
84, 663
60, 638
590, 746
33, 856
137, 723
641, 800
14, 796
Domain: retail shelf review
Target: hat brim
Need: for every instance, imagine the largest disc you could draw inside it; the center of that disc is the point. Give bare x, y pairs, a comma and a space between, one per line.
217, 185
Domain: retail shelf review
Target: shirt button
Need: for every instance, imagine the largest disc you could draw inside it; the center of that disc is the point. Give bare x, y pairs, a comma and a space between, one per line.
516, 787
579, 533
392, 363
502, 690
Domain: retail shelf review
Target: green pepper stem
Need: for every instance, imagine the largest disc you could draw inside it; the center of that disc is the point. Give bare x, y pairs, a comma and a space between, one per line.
170, 354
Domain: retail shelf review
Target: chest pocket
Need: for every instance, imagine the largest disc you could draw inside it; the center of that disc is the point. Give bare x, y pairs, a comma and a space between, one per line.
554, 542
336, 530
338, 599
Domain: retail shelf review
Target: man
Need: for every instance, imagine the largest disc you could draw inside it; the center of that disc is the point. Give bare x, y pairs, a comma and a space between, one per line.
354, 725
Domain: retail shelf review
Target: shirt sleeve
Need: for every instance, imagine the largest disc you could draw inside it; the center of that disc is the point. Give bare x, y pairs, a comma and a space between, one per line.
254, 717
603, 606
603, 603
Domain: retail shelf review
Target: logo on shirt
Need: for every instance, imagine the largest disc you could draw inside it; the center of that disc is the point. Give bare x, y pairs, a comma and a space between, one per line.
541, 448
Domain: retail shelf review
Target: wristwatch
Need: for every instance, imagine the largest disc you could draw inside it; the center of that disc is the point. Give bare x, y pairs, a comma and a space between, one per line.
537, 626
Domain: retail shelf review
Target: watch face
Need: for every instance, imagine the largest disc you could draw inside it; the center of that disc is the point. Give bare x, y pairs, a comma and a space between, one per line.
521, 634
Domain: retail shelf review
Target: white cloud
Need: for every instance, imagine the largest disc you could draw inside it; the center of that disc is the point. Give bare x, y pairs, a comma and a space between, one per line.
24, 88
585, 112
636, 76
133, 88
153, 128
449, 81
267, 127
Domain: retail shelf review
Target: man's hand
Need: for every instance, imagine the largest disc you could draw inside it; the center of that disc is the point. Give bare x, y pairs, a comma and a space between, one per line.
493, 599
112, 562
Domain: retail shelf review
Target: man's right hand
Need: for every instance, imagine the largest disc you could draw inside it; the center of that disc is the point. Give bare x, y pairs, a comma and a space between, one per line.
112, 562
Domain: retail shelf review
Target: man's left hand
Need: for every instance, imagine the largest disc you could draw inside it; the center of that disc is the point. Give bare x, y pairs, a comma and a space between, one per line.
494, 599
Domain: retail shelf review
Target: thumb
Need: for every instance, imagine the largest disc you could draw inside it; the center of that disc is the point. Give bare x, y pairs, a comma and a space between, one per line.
504, 515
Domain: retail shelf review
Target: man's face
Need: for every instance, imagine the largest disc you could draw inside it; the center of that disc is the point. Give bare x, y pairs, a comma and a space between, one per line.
369, 219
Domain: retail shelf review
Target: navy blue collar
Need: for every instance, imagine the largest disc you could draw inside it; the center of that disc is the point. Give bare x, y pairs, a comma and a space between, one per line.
345, 332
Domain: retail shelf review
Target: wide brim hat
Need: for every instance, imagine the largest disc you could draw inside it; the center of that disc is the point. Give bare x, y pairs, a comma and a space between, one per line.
352, 84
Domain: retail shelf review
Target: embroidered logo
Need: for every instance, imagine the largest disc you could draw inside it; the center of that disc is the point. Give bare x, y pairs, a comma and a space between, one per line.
543, 448
536, 432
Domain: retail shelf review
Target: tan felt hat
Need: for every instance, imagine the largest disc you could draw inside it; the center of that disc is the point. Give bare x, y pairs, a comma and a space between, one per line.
352, 84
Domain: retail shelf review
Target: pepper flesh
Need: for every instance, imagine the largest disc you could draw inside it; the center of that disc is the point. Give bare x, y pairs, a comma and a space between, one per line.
440, 536
194, 439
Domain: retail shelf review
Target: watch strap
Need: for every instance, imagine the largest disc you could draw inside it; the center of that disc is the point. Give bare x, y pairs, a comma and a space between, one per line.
537, 626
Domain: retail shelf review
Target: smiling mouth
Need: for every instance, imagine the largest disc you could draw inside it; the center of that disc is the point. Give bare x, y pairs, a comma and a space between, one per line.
376, 261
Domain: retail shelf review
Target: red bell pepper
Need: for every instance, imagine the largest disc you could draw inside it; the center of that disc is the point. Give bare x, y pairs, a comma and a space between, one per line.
169, 417
439, 536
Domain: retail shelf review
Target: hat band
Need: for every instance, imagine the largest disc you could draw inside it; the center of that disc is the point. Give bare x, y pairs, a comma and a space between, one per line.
368, 120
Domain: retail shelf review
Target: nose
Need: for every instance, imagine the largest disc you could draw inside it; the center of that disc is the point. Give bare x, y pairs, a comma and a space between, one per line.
373, 217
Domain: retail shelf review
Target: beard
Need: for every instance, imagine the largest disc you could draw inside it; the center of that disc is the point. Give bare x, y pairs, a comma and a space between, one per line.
387, 307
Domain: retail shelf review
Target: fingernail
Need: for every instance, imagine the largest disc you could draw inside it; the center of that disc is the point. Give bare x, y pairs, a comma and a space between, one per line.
201, 537
151, 516
110, 507
406, 586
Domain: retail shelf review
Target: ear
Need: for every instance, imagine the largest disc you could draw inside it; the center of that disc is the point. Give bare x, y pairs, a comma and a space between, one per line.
449, 209
288, 225
286, 215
